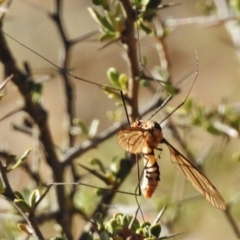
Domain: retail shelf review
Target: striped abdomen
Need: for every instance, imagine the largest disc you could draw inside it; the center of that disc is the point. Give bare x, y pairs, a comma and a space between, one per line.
151, 175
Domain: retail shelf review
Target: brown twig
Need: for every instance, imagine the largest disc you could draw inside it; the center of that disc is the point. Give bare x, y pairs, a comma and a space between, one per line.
40, 117
129, 41
64, 62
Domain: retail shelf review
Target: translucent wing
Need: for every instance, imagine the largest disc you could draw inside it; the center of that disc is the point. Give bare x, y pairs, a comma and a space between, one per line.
198, 180
131, 139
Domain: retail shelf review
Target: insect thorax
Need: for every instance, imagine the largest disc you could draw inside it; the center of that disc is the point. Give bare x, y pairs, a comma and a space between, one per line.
152, 132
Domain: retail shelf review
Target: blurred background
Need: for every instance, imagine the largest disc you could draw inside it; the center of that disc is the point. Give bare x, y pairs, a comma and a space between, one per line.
205, 27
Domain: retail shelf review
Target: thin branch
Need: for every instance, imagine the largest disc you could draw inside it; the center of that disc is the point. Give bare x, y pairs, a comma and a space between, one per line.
64, 62
129, 41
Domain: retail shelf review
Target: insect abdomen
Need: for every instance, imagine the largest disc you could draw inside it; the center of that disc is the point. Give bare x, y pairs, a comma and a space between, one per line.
151, 175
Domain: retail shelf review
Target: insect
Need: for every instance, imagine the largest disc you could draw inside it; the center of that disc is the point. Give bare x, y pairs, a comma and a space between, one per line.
142, 137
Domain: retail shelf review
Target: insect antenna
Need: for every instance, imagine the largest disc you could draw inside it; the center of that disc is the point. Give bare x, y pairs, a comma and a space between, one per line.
162, 83
186, 97
151, 75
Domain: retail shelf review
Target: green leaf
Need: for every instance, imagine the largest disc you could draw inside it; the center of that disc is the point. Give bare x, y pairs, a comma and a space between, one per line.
25, 228
18, 195
99, 220
22, 205
147, 29
123, 82
20, 160
34, 197
155, 230
98, 162
102, 21
145, 224
140, 231
112, 94
82, 125
111, 226
135, 225
119, 11
108, 36
111, 20
113, 77
211, 129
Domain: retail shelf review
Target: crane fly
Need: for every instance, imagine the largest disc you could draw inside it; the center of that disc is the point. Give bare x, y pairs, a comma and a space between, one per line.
142, 137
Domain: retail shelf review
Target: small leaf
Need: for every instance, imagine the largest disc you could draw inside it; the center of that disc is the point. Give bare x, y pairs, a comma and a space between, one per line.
108, 36
20, 160
93, 128
113, 76
111, 20
22, 205
155, 230
112, 94
147, 29
123, 82
126, 219
101, 20
135, 225
109, 228
145, 224
95, 15
18, 195
34, 197
82, 125
99, 220
211, 129
25, 228
98, 162
140, 231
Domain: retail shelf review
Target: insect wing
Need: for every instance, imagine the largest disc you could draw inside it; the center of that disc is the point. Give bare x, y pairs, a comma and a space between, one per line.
198, 180
131, 139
